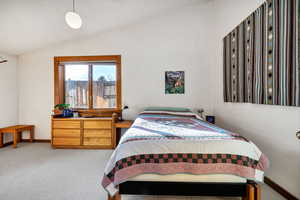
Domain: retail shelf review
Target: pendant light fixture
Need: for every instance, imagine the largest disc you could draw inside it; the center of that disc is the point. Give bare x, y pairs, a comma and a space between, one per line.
73, 19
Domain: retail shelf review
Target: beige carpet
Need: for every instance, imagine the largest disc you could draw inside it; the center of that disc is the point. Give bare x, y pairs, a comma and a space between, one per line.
37, 172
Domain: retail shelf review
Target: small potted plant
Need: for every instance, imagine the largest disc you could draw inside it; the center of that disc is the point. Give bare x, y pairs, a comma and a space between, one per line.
64, 109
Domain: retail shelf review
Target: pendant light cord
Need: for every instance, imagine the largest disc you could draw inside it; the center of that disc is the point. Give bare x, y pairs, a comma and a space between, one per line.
73, 5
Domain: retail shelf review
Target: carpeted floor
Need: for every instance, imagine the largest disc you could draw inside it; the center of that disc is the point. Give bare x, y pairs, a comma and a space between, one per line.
37, 172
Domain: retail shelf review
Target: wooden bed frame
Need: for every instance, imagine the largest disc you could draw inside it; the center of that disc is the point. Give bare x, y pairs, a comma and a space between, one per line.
248, 191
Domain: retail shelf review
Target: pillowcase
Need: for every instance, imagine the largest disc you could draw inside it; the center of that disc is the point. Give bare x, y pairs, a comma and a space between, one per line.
170, 109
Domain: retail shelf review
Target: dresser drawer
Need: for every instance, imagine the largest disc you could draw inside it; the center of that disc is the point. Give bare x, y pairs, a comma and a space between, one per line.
66, 124
93, 133
97, 141
103, 124
66, 141
66, 132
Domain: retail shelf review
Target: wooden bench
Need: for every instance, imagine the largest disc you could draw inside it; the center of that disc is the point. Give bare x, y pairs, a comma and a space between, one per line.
16, 131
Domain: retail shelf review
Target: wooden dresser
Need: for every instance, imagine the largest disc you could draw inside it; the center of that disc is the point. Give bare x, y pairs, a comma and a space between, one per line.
85, 133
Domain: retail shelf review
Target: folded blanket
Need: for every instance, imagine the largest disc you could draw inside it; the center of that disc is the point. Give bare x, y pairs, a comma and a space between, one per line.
180, 142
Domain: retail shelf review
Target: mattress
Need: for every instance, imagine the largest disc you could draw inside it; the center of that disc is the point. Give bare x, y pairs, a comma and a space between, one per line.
207, 178
179, 147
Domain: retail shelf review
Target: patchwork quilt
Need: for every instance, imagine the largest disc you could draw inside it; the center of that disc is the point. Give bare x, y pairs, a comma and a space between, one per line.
181, 142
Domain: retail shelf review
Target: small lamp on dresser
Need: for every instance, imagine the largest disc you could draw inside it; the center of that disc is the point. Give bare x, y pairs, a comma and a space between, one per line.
121, 116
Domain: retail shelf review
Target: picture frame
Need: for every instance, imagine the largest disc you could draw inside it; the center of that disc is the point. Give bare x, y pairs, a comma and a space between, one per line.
174, 82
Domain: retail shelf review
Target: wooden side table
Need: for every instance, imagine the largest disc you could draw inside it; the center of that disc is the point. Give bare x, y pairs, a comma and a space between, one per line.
16, 131
118, 126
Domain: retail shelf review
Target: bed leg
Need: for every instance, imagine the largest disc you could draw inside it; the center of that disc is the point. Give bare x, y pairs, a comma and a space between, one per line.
250, 195
116, 197
257, 191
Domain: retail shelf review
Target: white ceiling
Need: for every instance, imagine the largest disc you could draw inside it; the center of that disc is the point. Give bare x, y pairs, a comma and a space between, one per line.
26, 25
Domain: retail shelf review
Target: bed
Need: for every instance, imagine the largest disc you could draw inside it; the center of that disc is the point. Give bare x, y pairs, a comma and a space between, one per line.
175, 152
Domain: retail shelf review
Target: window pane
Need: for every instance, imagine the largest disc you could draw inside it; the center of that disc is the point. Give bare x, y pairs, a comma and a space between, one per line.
76, 85
104, 85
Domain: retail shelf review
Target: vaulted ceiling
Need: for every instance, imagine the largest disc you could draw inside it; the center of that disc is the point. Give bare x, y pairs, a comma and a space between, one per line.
27, 25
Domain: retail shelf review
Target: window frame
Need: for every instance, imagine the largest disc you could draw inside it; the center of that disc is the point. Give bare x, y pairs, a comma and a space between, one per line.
59, 82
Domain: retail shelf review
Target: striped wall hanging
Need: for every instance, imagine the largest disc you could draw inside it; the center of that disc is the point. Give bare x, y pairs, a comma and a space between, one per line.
261, 56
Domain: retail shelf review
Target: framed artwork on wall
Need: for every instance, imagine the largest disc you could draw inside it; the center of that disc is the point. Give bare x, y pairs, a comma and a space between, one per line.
174, 82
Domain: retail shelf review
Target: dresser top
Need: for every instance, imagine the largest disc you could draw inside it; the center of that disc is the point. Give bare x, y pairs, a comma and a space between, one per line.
82, 118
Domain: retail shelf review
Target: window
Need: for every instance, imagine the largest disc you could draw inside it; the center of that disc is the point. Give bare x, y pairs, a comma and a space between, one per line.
90, 83
104, 85
77, 85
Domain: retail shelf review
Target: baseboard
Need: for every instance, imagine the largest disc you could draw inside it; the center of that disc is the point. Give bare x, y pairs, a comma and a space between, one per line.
279, 189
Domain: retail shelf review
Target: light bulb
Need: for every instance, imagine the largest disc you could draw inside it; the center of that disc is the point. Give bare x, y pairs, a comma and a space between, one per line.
73, 20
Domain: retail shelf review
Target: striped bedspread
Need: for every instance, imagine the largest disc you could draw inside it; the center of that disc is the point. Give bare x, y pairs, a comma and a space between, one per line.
180, 142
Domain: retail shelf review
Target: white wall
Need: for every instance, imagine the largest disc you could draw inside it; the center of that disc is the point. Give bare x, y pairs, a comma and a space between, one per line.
176, 41
9, 93
272, 128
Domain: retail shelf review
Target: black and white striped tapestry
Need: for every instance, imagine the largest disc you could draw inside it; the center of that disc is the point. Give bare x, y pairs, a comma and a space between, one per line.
261, 56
